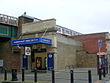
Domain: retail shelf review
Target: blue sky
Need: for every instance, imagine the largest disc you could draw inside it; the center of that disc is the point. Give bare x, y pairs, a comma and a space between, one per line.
85, 16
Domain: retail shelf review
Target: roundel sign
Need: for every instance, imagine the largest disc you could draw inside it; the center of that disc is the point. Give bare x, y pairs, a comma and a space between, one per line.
27, 51
50, 55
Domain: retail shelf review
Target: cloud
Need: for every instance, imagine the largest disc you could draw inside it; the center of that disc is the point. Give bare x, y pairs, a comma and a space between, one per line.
81, 15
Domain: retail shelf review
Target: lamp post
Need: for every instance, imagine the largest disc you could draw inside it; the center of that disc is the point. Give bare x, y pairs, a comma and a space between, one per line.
99, 62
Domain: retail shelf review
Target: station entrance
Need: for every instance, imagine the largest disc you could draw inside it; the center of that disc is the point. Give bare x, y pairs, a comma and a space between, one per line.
36, 51
40, 57
40, 60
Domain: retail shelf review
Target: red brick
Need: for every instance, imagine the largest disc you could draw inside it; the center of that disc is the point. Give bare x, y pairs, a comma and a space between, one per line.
90, 41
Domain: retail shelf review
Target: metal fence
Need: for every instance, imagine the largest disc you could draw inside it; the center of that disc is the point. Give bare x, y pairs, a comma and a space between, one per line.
10, 20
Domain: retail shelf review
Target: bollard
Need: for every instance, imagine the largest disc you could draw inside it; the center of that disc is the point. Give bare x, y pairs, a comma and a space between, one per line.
89, 76
104, 74
71, 75
35, 75
14, 75
100, 74
53, 76
23, 75
5, 75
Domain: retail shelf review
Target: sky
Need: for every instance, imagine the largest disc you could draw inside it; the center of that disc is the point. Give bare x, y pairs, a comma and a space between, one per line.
84, 16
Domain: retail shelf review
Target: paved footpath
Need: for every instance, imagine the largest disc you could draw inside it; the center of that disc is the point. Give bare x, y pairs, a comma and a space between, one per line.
62, 76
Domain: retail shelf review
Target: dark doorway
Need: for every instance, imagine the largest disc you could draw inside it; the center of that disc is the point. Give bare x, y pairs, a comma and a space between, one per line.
38, 62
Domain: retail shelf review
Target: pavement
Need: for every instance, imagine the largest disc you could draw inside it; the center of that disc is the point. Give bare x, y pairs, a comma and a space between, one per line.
62, 76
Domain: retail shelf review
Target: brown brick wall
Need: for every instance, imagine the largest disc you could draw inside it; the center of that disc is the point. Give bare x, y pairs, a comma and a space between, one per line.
10, 60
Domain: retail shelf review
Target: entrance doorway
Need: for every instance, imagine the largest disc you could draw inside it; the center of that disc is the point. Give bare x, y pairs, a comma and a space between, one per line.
41, 61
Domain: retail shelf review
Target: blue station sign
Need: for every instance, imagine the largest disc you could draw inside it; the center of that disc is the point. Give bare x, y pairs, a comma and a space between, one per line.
100, 43
37, 40
50, 61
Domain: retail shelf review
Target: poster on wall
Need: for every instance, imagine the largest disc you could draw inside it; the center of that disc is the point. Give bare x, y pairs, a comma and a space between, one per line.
28, 51
1, 63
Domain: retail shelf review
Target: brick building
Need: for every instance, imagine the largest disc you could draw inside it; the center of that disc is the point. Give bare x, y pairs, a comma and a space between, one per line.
90, 42
61, 42
8, 30
12, 55
68, 51
93, 44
